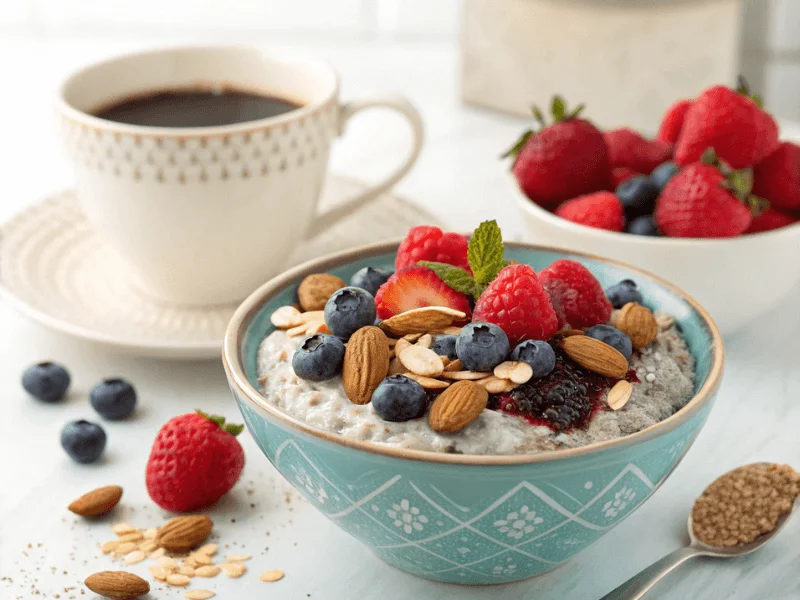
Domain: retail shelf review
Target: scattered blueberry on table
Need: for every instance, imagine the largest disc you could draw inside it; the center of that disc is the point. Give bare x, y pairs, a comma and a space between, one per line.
613, 337
623, 292
538, 354
348, 310
399, 398
370, 279
318, 357
83, 441
113, 399
482, 346
46, 381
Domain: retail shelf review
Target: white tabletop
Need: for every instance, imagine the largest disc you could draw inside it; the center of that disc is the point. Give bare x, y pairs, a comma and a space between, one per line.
459, 178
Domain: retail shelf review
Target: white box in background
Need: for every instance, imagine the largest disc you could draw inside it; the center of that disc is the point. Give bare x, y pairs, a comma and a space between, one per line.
626, 60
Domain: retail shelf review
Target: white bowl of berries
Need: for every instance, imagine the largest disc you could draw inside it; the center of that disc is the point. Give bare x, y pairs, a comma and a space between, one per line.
710, 203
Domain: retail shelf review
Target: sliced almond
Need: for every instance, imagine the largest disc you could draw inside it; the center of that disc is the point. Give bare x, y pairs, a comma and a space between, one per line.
638, 323
465, 375
208, 549
495, 385
422, 320
187, 570
454, 365
401, 345
199, 595
366, 363
158, 572
234, 570
117, 585
158, 553
150, 533
412, 337
177, 580
425, 341
109, 546
457, 406
191, 561
168, 563
421, 361
123, 528
428, 383
514, 371
286, 317
596, 356
237, 557
619, 395
314, 291
271, 575
207, 571
445, 360
312, 315
297, 331
97, 502
134, 557
317, 327
148, 546
135, 536
126, 548
201, 559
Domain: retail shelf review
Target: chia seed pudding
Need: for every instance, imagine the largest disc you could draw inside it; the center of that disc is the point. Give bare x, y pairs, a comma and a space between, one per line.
662, 376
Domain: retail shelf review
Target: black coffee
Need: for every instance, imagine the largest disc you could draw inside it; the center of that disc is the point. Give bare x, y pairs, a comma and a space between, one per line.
195, 108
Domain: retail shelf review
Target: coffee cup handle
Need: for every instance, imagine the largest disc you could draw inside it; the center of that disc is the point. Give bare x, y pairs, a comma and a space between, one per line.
348, 109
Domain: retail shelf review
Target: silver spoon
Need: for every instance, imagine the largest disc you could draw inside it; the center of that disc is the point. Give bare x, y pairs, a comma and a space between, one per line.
638, 585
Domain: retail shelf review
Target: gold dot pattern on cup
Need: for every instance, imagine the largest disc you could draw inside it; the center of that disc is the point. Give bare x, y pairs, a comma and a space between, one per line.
266, 151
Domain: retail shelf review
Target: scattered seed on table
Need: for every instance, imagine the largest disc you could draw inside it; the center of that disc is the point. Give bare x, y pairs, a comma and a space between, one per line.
134, 557
177, 579
233, 569
272, 575
199, 595
207, 571
232, 558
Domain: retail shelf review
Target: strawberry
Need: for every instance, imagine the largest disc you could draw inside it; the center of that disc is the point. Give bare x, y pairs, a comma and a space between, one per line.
601, 210
415, 287
672, 123
562, 160
730, 122
628, 148
431, 243
195, 460
700, 201
777, 177
516, 302
620, 175
771, 219
578, 298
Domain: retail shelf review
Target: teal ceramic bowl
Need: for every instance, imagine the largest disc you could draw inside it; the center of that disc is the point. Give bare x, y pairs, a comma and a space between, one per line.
471, 519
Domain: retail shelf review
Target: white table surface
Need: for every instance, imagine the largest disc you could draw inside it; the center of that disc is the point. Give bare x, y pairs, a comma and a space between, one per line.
459, 178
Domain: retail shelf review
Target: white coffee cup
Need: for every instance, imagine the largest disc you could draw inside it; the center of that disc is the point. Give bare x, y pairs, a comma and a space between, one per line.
206, 214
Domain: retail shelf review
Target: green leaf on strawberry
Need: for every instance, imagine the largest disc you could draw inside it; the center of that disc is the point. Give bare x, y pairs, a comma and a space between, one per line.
234, 430
485, 256
559, 112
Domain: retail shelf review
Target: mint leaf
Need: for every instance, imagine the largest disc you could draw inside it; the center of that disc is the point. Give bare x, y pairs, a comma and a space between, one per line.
455, 277
485, 253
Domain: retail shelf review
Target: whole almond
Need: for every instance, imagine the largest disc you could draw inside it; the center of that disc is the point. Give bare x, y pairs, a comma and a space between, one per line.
422, 320
366, 363
117, 585
596, 356
315, 290
457, 406
638, 323
619, 395
97, 502
184, 533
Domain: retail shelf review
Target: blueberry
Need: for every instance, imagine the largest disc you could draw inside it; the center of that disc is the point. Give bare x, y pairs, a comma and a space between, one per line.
445, 345
399, 398
643, 226
348, 310
370, 279
623, 292
482, 346
83, 441
318, 357
113, 399
638, 196
538, 354
46, 381
613, 337
663, 173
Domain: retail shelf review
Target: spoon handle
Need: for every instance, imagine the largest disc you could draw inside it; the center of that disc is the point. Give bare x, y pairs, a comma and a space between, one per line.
638, 585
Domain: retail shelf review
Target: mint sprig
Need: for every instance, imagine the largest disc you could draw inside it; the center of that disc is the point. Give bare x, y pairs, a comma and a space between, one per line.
485, 257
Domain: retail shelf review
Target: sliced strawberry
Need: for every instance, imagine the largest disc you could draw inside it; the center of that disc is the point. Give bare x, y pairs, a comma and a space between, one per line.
416, 287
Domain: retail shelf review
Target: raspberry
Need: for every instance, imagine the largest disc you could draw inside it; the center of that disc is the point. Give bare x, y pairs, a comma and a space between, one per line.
577, 297
565, 399
516, 302
431, 243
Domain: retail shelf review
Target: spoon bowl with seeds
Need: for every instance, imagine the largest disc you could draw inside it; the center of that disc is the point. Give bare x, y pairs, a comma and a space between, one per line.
736, 515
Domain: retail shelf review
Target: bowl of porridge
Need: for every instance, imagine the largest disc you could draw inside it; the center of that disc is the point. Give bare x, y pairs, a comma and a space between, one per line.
504, 469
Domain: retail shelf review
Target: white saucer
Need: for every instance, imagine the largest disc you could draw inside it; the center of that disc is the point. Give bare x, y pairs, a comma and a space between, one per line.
58, 271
